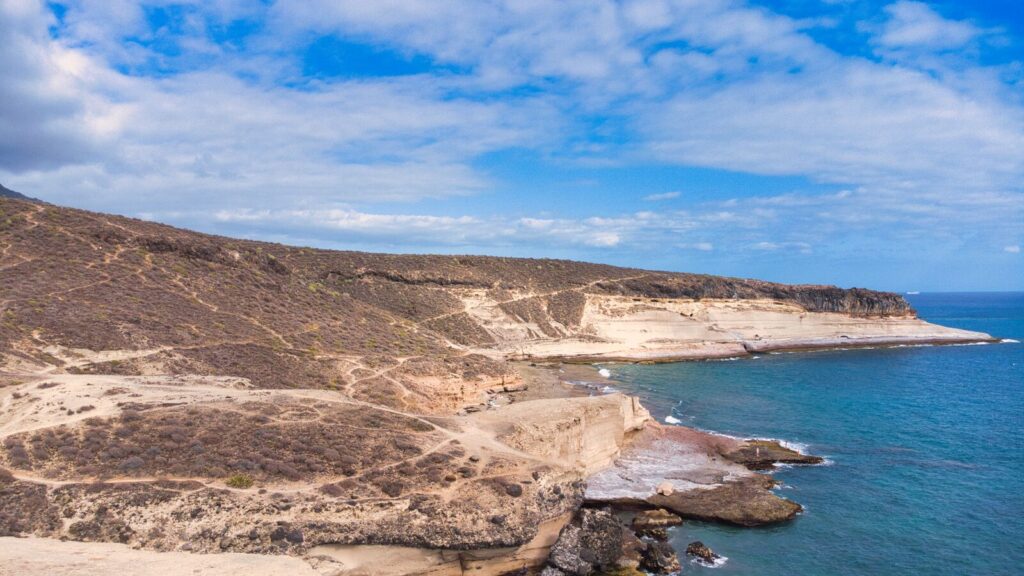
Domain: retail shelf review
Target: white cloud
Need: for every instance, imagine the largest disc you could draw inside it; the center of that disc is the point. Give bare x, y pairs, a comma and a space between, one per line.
848, 122
916, 25
921, 151
662, 196
1012, 249
603, 239
44, 121
801, 247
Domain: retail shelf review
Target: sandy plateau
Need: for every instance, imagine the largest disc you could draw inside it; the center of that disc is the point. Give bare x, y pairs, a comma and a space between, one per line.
666, 329
178, 403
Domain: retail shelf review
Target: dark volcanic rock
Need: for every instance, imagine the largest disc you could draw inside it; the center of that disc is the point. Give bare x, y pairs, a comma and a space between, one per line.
813, 298
594, 541
660, 534
764, 454
701, 552
660, 558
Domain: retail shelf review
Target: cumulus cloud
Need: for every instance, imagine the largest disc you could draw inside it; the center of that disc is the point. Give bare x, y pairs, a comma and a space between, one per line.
106, 109
915, 24
661, 196
43, 120
1012, 249
801, 247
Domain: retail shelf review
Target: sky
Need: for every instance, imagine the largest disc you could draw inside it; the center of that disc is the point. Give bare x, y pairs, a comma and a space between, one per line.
858, 143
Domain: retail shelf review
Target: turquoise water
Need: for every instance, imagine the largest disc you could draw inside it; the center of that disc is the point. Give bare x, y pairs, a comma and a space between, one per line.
925, 444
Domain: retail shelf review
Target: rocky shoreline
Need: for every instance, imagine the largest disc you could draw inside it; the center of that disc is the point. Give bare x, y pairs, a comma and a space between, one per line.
747, 349
558, 415
664, 476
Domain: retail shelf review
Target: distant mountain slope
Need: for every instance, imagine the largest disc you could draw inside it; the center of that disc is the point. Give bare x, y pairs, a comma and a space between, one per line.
8, 193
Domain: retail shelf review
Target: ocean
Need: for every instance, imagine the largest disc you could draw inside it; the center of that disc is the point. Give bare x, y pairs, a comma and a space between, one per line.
925, 448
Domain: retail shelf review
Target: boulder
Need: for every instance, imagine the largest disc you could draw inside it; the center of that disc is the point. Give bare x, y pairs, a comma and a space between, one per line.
653, 533
593, 542
660, 558
565, 555
657, 518
700, 551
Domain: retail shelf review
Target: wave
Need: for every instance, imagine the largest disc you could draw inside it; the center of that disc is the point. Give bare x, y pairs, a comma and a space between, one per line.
605, 373
672, 420
1009, 341
716, 563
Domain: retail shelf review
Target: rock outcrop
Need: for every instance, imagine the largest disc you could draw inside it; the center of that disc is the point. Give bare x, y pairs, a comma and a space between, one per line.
596, 542
702, 553
765, 454
657, 518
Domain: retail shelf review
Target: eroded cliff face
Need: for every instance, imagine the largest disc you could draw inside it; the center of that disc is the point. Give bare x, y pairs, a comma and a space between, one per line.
585, 434
637, 328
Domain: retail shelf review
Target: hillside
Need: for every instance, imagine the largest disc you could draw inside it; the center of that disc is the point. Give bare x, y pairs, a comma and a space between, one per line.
181, 391
161, 300
8, 193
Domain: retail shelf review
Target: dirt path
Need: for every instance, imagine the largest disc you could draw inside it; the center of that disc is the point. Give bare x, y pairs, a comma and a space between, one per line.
50, 400
580, 288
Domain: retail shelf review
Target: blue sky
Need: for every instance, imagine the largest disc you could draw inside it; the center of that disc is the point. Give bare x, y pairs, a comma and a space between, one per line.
859, 143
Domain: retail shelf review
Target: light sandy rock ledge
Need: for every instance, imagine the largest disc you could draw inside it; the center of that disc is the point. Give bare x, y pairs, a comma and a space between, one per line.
616, 328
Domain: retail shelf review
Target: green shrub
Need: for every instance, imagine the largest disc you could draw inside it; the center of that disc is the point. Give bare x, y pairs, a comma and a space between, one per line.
240, 481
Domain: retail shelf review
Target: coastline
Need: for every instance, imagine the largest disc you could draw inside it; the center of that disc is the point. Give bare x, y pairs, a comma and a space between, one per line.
747, 349
675, 470
560, 413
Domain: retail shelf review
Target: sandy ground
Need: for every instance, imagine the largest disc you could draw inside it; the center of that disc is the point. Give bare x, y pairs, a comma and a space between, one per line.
45, 557
47, 400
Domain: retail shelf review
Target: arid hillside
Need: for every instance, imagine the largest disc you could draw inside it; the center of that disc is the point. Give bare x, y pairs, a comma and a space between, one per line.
178, 391
91, 293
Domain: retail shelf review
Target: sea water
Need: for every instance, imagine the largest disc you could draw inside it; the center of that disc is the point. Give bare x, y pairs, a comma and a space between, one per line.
925, 471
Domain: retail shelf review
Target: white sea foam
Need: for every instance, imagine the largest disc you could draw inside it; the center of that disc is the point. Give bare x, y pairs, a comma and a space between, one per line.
1009, 341
608, 390
673, 420
606, 373
797, 446
717, 563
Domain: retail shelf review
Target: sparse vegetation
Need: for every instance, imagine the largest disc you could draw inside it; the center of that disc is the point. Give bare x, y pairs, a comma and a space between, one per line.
239, 481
